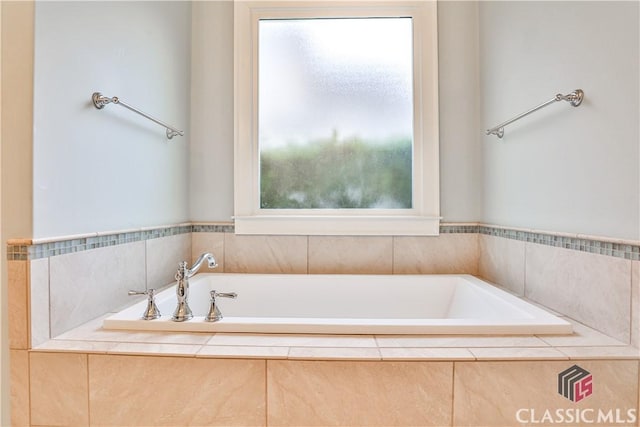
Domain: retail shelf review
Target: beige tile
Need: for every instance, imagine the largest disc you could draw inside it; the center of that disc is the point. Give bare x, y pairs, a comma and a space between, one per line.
334, 353
265, 254
17, 305
19, 360
350, 255
163, 256
604, 352
635, 304
165, 337
39, 300
75, 346
518, 353
155, 349
85, 285
293, 340
593, 289
582, 336
170, 391
445, 254
502, 262
243, 352
92, 331
492, 393
59, 394
208, 242
403, 353
321, 393
458, 341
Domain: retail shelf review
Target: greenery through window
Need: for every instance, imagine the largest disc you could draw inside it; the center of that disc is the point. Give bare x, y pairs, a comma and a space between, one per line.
335, 113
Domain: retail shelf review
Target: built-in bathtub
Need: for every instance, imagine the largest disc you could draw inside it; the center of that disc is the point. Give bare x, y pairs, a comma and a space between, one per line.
348, 304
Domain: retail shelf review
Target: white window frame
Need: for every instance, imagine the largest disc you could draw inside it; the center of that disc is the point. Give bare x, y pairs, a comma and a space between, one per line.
424, 217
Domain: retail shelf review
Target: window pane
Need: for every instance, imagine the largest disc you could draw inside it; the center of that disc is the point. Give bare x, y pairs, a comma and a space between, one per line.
335, 113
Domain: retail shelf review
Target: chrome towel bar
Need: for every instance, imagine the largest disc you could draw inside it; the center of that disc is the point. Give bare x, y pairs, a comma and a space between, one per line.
574, 98
100, 101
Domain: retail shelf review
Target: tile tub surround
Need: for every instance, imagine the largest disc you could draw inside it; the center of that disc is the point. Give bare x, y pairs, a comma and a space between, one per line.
278, 392
68, 290
494, 253
585, 343
265, 377
27, 249
596, 289
321, 393
83, 282
593, 283
49, 375
502, 261
579, 347
492, 393
448, 253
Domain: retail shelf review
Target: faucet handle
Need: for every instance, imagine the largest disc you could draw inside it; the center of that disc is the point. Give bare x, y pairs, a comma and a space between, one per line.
151, 311
214, 312
215, 294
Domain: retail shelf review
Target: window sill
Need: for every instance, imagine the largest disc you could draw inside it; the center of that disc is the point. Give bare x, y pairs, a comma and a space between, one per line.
338, 225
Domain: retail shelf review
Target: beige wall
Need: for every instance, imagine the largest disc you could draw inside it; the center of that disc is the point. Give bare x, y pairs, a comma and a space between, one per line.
16, 135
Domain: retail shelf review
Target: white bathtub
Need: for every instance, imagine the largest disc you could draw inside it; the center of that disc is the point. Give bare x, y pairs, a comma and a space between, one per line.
348, 304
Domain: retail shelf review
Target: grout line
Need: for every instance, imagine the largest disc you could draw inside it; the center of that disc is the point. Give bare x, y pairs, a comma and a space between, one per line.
49, 296
28, 386
631, 313
524, 273
638, 389
27, 302
453, 388
393, 254
146, 278
308, 238
266, 391
224, 252
88, 392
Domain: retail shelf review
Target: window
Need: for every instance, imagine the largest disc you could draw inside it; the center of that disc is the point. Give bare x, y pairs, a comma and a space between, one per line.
336, 118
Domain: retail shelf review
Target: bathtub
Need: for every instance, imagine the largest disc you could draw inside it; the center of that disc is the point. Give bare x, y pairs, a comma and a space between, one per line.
348, 304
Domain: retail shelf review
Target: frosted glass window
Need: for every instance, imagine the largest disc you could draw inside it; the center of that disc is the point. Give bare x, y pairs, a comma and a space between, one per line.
335, 113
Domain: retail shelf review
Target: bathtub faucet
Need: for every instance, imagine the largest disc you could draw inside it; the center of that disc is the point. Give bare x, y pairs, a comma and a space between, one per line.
183, 312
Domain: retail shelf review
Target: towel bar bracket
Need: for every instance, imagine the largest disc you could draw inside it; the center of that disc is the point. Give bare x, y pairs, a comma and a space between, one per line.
99, 101
574, 98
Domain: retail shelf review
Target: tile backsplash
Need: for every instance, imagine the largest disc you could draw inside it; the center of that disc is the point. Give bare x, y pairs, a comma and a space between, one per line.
82, 277
83, 284
593, 289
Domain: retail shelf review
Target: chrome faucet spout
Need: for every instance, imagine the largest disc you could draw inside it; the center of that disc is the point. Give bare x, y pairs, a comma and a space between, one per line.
183, 312
211, 263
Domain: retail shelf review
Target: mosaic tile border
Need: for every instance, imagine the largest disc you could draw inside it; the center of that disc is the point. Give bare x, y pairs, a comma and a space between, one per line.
594, 246
43, 250
213, 228
67, 246
459, 229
